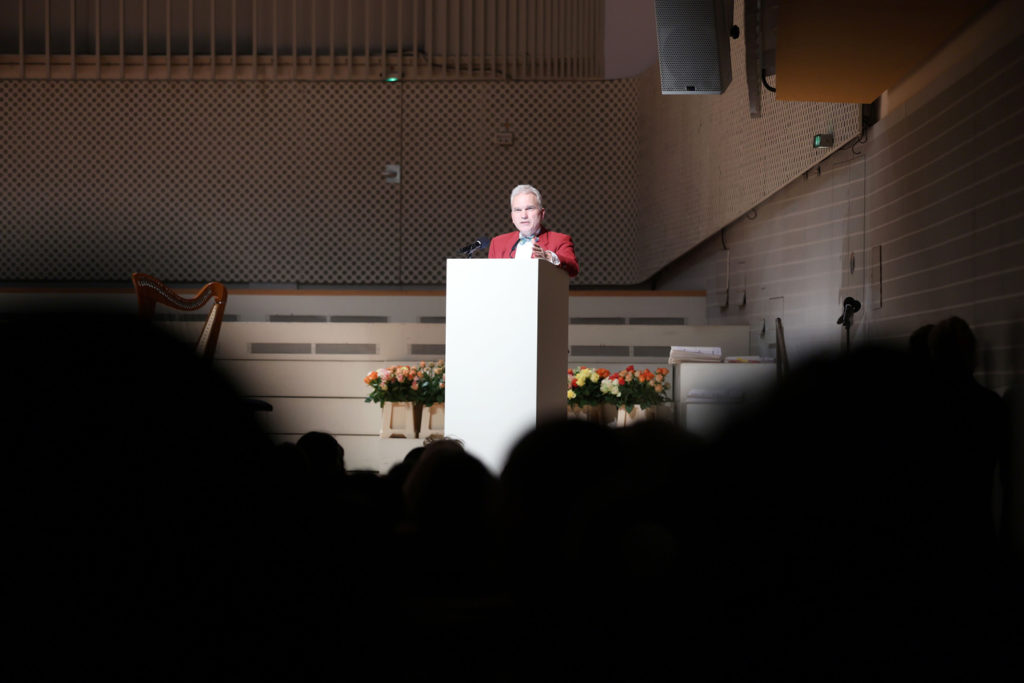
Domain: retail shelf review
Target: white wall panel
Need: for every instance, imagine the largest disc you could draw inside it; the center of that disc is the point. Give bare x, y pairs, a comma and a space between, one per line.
298, 415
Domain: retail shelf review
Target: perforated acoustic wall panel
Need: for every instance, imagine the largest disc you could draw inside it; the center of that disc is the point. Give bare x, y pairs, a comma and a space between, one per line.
193, 181
283, 182
575, 142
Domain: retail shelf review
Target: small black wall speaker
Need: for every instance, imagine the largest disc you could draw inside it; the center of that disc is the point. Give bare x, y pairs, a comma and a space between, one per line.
693, 45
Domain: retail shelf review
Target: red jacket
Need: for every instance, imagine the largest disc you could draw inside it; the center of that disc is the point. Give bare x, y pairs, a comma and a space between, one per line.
503, 246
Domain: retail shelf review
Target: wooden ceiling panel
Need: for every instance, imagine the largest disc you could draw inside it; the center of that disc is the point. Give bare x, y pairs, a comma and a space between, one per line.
849, 51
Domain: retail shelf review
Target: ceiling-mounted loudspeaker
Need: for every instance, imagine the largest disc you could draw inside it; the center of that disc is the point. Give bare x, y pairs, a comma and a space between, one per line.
693, 45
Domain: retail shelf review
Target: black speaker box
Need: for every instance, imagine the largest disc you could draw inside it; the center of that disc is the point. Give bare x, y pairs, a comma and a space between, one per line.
693, 45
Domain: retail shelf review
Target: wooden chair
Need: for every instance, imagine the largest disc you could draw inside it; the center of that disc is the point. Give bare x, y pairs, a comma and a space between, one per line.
151, 291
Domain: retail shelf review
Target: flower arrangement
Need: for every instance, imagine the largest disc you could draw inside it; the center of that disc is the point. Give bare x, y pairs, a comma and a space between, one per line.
584, 386
395, 384
626, 388
431, 389
641, 387
423, 383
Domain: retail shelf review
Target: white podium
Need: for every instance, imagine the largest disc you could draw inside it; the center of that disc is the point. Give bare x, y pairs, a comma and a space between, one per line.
506, 352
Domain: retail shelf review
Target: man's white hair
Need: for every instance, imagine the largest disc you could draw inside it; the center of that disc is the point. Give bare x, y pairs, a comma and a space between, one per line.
521, 189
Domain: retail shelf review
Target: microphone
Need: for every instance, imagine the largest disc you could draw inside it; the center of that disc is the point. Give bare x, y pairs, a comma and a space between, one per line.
850, 306
469, 249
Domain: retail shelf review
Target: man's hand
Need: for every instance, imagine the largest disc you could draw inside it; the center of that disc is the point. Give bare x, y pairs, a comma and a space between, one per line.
549, 256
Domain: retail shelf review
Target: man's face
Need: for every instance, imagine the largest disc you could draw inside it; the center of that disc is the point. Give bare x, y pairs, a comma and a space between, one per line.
526, 214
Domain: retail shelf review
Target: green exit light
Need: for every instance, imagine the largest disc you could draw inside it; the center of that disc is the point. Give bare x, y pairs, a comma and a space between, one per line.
823, 140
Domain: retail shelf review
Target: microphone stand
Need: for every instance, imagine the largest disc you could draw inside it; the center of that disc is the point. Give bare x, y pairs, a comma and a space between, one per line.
850, 306
846, 320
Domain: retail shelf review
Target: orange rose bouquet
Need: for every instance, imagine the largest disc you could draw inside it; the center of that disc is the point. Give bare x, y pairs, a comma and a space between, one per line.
423, 383
393, 384
431, 384
631, 387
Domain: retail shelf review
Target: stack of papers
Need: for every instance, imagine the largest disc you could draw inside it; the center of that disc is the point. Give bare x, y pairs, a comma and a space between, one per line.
695, 354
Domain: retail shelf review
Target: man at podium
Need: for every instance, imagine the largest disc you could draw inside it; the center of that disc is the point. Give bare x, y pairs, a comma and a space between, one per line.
531, 239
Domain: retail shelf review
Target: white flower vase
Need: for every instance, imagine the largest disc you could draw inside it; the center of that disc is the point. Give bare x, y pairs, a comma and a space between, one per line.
627, 416
432, 421
399, 420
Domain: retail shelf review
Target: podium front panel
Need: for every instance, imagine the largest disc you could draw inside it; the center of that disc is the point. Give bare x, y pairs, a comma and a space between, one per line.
506, 352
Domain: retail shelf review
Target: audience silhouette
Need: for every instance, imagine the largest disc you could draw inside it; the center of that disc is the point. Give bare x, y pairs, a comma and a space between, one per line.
131, 477
323, 452
842, 529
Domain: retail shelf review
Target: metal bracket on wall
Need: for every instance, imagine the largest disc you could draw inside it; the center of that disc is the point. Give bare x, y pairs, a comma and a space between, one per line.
392, 173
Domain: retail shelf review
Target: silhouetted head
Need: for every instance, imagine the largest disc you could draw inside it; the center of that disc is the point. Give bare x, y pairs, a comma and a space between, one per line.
323, 452
953, 346
918, 343
550, 466
448, 489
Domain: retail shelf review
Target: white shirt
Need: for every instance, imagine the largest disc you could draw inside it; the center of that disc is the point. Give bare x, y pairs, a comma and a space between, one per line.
524, 247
